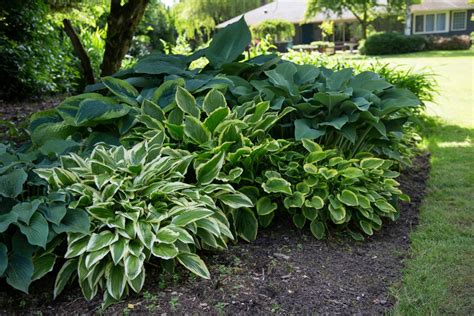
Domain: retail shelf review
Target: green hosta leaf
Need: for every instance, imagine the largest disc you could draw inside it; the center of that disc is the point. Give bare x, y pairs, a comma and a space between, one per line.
371, 163
94, 257
125, 91
20, 271
266, 220
64, 275
265, 206
190, 216
352, 173
215, 118
235, 200
348, 197
303, 130
137, 283
295, 200
311, 146
116, 281
228, 44
3, 258
186, 102
299, 220
207, 172
328, 173
11, 184
366, 227
36, 231
166, 236
318, 229
197, 131
43, 265
315, 202
133, 266
246, 224
25, 210
165, 251
385, 207
101, 240
310, 212
363, 201
213, 101
277, 185
337, 214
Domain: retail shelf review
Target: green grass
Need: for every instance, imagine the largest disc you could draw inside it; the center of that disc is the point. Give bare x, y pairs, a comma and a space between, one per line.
439, 274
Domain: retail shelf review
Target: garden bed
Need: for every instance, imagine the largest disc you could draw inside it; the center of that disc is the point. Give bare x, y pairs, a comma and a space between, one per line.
284, 271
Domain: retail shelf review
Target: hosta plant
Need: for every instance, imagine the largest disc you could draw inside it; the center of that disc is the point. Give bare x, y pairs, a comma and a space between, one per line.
141, 208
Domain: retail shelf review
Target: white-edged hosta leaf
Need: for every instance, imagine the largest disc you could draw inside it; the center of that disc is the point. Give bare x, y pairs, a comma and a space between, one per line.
43, 265
194, 263
64, 275
213, 101
164, 251
235, 200
166, 235
190, 216
94, 257
208, 171
118, 250
186, 102
116, 281
133, 266
101, 240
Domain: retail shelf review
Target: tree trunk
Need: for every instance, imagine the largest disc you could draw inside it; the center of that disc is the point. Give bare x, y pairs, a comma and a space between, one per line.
407, 18
80, 52
363, 25
121, 24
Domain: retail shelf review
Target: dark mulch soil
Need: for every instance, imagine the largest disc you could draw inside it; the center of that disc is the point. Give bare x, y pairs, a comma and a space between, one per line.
284, 271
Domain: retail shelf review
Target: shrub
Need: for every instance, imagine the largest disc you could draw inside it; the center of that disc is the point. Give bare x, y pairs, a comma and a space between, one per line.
170, 159
280, 30
393, 43
456, 42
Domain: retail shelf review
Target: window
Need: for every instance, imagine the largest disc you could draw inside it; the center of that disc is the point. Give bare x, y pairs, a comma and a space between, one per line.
458, 21
431, 23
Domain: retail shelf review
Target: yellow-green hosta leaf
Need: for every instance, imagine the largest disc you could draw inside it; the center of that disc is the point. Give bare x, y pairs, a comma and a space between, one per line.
265, 206
318, 229
311, 146
316, 202
337, 214
299, 220
371, 163
310, 212
328, 173
348, 197
363, 201
352, 172
277, 185
193, 263
366, 227
385, 207
295, 200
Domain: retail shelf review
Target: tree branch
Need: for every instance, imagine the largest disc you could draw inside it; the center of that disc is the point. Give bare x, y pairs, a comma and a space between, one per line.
80, 52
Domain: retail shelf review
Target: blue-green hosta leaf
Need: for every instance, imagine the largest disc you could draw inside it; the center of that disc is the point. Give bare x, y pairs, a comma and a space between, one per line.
11, 184
337, 123
93, 111
20, 271
213, 101
164, 251
338, 79
64, 275
36, 231
186, 102
331, 99
6, 220
318, 229
45, 132
69, 107
283, 77
197, 131
265, 206
25, 210
348, 197
116, 281
43, 265
75, 221
57, 146
306, 74
207, 172
303, 130
235, 200
54, 212
277, 185
122, 89
228, 44
246, 224
3, 258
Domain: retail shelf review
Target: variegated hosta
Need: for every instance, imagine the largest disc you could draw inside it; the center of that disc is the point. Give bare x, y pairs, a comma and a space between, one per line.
322, 188
141, 209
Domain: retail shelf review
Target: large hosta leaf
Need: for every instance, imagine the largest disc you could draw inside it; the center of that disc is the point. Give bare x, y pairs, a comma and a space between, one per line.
122, 89
36, 231
20, 271
11, 184
93, 111
193, 263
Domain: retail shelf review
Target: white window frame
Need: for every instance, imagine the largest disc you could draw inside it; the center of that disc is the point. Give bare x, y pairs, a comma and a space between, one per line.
424, 14
465, 20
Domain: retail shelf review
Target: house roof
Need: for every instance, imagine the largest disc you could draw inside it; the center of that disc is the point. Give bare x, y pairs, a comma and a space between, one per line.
290, 10
434, 5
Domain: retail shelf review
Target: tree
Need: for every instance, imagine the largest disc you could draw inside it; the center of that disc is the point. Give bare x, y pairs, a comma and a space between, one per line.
363, 10
121, 24
197, 18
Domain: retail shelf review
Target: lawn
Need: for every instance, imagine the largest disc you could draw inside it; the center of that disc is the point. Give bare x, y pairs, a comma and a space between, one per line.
439, 275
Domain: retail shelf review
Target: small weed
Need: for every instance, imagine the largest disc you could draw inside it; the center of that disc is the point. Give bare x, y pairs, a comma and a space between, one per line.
174, 302
220, 307
276, 307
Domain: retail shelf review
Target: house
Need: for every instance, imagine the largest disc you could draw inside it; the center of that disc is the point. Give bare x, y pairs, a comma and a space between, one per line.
442, 17
437, 17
